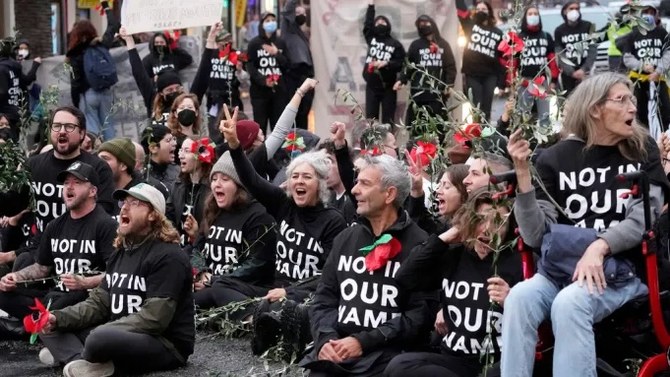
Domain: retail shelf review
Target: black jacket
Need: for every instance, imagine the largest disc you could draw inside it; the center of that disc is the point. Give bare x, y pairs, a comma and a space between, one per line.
156, 62
261, 66
403, 317
381, 48
13, 84
440, 64
75, 56
186, 198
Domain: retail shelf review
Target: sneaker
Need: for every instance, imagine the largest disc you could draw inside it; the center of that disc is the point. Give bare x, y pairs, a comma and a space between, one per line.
47, 358
83, 368
266, 328
295, 328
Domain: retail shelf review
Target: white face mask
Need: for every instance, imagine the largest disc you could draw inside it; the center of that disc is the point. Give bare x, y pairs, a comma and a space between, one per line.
23, 53
533, 20
572, 15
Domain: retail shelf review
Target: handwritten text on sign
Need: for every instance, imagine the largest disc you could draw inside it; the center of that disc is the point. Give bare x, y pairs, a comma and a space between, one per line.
149, 15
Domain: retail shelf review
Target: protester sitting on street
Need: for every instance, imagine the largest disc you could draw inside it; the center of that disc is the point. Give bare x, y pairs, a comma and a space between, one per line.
465, 255
160, 146
236, 241
74, 247
164, 54
361, 316
159, 95
306, 229
184, 120
90, 90
186, 204
140, 318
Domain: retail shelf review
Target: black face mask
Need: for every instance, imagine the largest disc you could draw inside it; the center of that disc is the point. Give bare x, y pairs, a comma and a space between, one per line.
481, 17
381, 30
186, 117
300, 19
160, 50
169, 99
425, 30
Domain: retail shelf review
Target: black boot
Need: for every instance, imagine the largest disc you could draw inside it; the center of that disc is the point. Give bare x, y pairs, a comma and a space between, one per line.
266, 326
295, 328
12, 329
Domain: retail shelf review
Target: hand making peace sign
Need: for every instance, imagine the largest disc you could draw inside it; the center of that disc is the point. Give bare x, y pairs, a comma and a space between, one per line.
228, 127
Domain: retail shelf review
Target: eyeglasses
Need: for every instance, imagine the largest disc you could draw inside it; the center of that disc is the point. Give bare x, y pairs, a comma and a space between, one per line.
69, 127
625, 98
132, 202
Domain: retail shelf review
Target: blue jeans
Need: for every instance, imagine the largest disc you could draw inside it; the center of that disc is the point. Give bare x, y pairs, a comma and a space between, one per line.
573, 312
97, 107
526, 102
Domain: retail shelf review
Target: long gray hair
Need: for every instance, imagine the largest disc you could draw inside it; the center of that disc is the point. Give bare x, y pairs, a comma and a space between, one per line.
579, 122
320, 162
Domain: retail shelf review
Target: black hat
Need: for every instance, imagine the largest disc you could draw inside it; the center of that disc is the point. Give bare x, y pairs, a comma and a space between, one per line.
266, 15
82, 171
167, 78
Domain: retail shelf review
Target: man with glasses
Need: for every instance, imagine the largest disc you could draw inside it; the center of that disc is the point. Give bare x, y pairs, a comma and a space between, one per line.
73, 252
67, 132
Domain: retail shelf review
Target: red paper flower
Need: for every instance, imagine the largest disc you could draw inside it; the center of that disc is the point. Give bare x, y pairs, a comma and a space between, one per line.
375, 151
380, 252
272, 80
433, 47
294, 143
511, 45
371, 67
101, 10
229, 54
173, 38
471, 131
536, 88
35, 325
424, 152
204, 150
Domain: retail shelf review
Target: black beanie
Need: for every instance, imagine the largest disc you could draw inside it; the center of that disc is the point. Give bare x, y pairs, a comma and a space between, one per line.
167, 78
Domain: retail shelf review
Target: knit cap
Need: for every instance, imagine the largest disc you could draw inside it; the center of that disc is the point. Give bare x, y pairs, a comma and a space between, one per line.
167, 78
247, 132
225, 165
123, 149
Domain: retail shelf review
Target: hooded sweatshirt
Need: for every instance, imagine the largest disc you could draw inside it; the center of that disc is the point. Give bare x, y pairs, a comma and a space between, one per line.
262, 65
224, 85
436, 58
13, 84
572, 42
381, 47
538, 52
370, 306
161, 58
462, 275
481, 55
298, 52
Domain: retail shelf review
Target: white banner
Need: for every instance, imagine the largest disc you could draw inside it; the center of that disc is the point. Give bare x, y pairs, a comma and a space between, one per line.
148, 15
339, 49
128, 111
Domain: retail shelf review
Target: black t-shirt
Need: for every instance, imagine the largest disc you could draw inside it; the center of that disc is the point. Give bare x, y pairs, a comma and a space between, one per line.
573, 41
49, 193
648, 48
480, 57
77, 246
538, 46
237, 235
153, 270
223, 83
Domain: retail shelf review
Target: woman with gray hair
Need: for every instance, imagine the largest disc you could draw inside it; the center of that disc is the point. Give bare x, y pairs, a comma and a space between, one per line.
305, 226
588, 235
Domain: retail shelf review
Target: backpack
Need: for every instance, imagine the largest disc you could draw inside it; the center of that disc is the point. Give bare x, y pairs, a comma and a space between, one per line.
99, 68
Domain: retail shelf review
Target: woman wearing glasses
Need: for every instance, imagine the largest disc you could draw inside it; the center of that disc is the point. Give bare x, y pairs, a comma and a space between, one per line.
587, 231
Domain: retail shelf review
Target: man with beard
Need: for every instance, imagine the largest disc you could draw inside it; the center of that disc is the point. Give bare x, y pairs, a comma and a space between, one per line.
382, 64
73, 250
361, 318
68, 129
143, 309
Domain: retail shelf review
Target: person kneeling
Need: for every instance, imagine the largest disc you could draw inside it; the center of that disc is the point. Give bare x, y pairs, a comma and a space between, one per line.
144, 307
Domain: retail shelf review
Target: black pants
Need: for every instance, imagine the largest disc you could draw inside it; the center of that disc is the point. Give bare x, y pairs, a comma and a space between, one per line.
268, 108
129, 351
433, 108
294, 79
419, 364
226, 290
568, 83
642, 94
482, 88
387, 98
